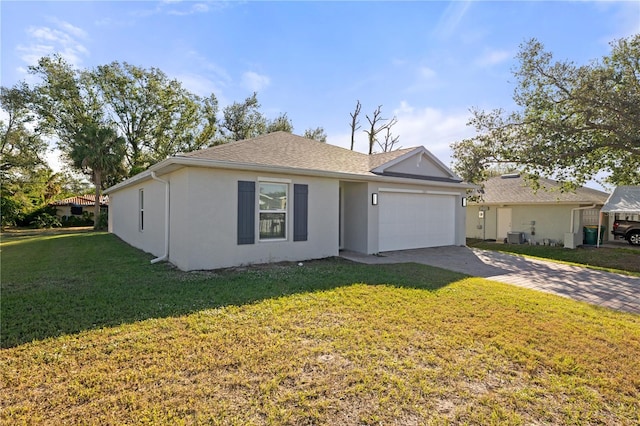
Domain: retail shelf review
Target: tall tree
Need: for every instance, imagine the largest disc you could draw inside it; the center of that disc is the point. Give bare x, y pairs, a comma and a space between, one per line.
377, 125
22, 152
21, 145
355, 123
157, 116
98, 151
390, 142
573, 122
282, 123
317, 134
243, 120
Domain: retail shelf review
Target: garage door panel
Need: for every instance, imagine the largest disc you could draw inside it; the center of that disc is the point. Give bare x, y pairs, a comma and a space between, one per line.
415, 220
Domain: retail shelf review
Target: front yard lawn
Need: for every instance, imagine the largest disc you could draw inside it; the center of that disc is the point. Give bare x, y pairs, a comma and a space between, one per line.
94, 334
625, 260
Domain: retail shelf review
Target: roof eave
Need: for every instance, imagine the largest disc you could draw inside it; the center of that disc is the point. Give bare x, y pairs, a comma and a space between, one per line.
174, 163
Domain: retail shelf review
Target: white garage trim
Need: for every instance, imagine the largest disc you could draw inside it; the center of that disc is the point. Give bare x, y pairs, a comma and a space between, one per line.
417, 191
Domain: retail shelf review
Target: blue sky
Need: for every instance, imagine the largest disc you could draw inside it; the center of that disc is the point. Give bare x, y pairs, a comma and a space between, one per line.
425, 62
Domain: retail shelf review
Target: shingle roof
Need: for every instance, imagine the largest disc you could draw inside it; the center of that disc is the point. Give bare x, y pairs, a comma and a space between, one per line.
82, 200
282, 149
514, 189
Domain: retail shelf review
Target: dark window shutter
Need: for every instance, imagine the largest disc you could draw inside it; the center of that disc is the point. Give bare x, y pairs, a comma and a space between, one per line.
246, 212
300, 212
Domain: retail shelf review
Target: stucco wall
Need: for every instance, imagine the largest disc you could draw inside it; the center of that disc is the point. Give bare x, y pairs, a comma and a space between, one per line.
355, 216
551, 221
204, 221
412, 166
124, 216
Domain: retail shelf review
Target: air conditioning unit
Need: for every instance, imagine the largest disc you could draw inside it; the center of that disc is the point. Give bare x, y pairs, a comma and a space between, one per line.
515, 237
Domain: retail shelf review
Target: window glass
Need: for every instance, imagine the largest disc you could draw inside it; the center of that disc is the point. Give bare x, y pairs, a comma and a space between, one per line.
273, 210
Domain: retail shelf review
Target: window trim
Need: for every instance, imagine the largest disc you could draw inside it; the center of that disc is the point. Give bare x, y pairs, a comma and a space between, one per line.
287, 184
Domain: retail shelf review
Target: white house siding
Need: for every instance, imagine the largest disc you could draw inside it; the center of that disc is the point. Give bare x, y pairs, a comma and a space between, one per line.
124, 213
204, 221
551, 221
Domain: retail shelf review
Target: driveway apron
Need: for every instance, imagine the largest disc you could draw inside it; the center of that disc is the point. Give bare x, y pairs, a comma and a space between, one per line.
601, 288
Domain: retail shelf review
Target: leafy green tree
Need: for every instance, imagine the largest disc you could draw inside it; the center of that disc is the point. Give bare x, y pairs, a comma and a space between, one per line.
21, 146
573, 122
157, 116
98, 151
22, 150
243, 120
317, 134
282, 123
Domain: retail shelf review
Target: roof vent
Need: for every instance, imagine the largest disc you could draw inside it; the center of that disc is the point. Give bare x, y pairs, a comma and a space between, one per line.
510, 176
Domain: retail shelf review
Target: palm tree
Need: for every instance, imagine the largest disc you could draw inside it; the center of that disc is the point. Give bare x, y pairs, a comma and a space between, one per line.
99, 152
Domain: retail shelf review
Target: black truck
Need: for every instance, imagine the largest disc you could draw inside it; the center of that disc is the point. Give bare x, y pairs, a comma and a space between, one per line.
628, 229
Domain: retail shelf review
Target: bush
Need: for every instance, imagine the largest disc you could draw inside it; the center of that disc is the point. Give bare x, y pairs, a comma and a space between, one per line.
45, 220
103, 220
10, 212
31, 219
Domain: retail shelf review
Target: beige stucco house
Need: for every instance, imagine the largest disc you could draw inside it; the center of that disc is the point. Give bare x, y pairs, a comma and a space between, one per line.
510, 205
281, 197
76, 206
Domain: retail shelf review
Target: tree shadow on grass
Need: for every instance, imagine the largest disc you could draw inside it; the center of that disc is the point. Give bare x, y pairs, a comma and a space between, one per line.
56, 286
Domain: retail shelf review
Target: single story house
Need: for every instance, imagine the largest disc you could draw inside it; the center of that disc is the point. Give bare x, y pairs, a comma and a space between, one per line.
76, 206
509, 205
282, 197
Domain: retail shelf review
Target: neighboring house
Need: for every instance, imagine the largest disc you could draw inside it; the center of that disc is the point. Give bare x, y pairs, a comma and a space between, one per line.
281, 197
509, 204
76, 206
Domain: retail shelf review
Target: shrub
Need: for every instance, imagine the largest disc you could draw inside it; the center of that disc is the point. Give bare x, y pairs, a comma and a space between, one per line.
103, 220
45, 220
10, 211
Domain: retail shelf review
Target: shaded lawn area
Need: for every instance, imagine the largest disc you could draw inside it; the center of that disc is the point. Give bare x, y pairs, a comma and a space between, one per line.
92, 333
625, 260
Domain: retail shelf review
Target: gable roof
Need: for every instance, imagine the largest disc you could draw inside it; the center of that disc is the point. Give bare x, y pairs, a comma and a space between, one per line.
282, 149
514, 189
82, 200
624, 199
284, 152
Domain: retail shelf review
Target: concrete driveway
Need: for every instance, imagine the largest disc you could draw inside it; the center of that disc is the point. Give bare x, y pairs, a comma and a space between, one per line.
614, 291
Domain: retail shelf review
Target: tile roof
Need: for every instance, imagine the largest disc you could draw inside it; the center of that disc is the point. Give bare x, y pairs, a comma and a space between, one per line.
282, 149
514, 189
82, 200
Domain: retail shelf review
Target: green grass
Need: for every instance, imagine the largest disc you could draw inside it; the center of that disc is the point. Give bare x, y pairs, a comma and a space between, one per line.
623, 260
94, 334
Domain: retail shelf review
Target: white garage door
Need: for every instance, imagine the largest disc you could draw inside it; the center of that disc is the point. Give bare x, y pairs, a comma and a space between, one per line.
409, 221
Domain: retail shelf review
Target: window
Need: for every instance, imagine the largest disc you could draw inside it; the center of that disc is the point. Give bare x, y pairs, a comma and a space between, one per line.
273, 210
141, 208
76, 210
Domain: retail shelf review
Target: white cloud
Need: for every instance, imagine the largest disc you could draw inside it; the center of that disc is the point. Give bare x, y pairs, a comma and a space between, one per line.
426, 73
429, 127
254, 81
493, 57
62, 38
198, 84
195, 8
451, 18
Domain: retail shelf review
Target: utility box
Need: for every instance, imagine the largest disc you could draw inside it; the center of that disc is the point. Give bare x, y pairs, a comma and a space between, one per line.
515, 237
